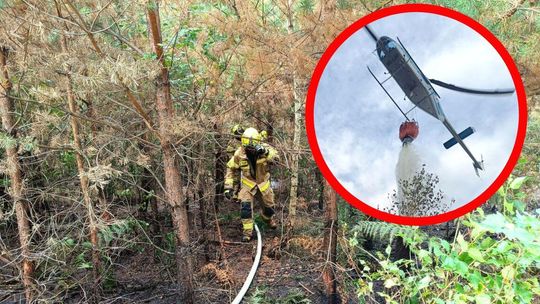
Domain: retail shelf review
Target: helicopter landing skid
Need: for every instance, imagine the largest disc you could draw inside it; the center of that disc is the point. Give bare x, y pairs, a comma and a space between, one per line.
390, 96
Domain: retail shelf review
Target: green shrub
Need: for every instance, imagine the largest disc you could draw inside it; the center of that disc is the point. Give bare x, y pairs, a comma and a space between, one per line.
496, 260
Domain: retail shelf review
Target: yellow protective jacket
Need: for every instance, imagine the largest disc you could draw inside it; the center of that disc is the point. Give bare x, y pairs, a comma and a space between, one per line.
232, 146
239, 162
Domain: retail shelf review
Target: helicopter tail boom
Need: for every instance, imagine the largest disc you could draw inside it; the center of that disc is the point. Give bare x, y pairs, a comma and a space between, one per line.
464, 134
476, 164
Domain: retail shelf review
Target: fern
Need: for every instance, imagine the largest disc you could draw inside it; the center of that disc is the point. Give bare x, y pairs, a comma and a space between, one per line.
258, 296
306, 6
119, 229
382, 231
294, 296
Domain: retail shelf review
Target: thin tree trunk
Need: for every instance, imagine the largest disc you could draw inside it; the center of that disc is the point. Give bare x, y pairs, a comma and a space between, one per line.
330, 244
173, 185
83, 178
96, 263
222, 255
320, 184
203, 214
148, 183
149, 198
15, 174
102, 196
200, 197
293, 194
270, 128
220, 159
180, 220
188, 176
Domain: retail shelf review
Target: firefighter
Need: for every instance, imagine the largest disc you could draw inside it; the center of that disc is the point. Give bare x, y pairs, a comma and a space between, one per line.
252, 159
236, 131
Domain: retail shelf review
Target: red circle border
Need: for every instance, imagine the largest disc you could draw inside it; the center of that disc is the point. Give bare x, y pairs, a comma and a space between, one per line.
407, 220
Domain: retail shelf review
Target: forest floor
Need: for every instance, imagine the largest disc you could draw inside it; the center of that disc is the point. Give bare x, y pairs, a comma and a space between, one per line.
285, 275
145, 273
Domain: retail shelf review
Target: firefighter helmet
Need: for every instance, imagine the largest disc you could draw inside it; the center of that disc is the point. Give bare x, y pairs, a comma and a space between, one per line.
237, 130
251, 137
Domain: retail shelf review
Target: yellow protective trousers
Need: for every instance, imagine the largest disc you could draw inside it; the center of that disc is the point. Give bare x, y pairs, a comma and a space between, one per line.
247, 197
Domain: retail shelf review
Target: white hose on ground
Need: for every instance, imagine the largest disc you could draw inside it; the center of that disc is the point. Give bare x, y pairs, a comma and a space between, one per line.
253, 270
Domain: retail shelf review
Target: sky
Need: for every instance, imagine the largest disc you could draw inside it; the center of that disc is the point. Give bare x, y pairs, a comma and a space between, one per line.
357, 125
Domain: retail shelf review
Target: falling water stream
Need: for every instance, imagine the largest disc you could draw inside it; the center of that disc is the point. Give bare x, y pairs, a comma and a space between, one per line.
407, 167
423, 196
408, 163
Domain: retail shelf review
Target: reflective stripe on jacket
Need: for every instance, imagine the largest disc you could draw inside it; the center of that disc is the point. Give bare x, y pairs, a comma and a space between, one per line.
239, 162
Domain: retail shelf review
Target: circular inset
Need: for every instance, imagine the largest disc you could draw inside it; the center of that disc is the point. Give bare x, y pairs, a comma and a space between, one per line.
385, 135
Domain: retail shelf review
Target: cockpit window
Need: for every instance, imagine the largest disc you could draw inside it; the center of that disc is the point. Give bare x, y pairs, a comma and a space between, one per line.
391, 45
381, 54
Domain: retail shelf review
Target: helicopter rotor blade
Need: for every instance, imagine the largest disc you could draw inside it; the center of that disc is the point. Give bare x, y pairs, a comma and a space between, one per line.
372, 33
469, 90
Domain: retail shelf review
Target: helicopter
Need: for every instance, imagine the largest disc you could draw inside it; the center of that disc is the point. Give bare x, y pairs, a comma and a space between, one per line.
419, 89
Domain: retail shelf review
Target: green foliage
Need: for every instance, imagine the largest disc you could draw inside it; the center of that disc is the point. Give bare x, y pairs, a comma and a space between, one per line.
68, 160
344, 4
529, 161
295, 296
53, 37
203, 8
124, 193
170, 241
511, 196
212, 56
187, 37
123, 229
122, 233
27, 143
5, 181
306, 6
470, 8
68, 249
382, 231
271, 14
81, 261
497, 260
152, 5
6, 141
77, 254
229, 217
260, 296
149, 56
347, 214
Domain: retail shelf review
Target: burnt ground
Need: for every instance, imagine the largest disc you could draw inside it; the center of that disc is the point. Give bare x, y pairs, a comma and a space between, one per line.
289, 274
292, 275
146, 273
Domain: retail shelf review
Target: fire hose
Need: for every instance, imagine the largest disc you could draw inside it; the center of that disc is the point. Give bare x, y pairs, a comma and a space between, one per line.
252, 271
